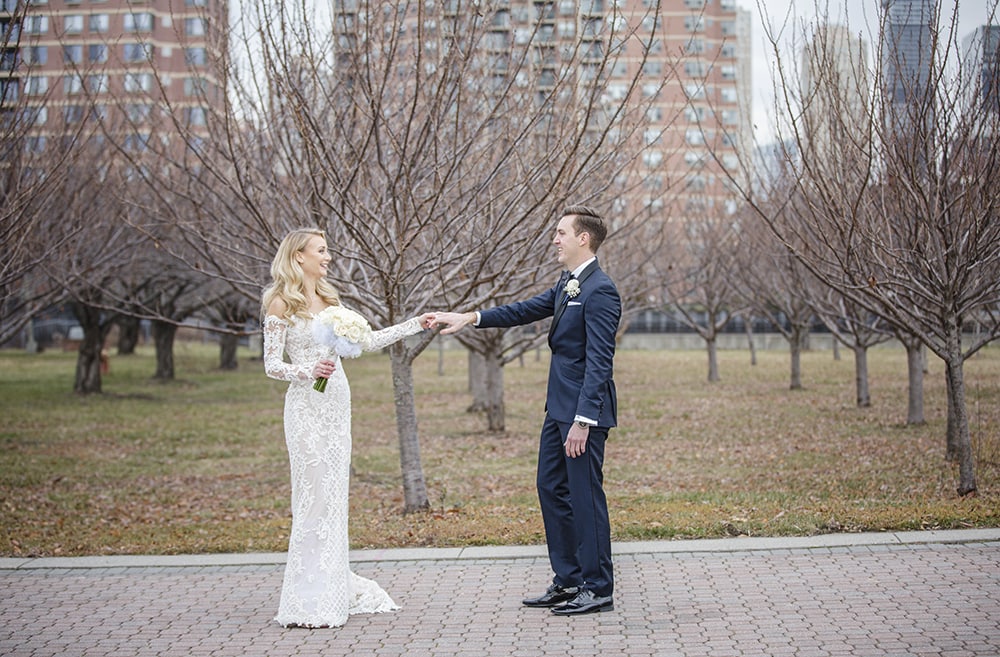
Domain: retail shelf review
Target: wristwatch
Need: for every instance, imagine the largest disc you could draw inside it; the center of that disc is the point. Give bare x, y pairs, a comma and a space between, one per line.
582, 425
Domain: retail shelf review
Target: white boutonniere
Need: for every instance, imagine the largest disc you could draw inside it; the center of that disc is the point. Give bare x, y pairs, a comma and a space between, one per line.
572, 288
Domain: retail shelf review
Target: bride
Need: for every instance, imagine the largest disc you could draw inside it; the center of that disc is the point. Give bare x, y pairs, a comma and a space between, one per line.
319, 589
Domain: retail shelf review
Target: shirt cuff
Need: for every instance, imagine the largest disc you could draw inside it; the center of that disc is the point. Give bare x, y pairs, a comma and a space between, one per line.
478, 318
585, 420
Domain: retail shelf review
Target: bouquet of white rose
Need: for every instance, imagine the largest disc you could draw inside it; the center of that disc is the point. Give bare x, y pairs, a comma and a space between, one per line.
344, 331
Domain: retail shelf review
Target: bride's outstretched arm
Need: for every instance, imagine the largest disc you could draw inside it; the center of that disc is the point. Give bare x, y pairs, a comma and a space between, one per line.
392, 334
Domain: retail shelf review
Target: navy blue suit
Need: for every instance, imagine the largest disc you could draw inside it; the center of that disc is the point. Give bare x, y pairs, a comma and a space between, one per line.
581, 383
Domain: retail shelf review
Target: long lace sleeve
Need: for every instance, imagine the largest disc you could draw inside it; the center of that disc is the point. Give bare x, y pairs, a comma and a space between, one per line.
392, 334
275, 334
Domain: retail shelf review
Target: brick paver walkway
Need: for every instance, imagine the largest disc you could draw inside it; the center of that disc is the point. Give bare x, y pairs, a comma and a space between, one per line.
872, 595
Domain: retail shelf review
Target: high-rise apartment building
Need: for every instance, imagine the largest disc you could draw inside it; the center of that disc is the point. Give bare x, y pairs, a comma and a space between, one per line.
981, 53
907, 55
697, 83
694, 58
133, 69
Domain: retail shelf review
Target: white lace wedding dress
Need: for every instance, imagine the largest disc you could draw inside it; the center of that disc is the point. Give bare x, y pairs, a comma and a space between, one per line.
319, 589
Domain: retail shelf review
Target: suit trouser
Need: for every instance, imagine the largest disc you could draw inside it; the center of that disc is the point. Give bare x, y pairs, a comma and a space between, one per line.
575, 509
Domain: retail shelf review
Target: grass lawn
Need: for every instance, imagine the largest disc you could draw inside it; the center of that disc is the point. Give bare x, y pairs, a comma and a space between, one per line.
199, 464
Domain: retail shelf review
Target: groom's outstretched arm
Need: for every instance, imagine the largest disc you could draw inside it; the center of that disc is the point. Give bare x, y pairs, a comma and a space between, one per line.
453, 321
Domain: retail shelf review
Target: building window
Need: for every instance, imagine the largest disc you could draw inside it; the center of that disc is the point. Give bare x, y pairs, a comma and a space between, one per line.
728, 94
728, 28
138, 82
136, 143
36, 24
195, 26
652, 67
617, 91
73, 113
694, 23
695, 69
730, 117
138, 22
694, 114
728, 72
99, 22
652, 158
34, 144
9, 90
731, 161
72, 84
195, 56
694, 4
195, 116
38, 115
694, 91
728, 50
138, 113
8, 60
695, 159
73, 54
36, 85
97, 52
694, 136
36, 55
195, 86
654, 114
98, 84
694, 46
73, 24
696, 183
138, 52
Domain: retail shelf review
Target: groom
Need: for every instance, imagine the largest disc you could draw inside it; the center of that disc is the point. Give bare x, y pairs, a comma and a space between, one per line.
580, 409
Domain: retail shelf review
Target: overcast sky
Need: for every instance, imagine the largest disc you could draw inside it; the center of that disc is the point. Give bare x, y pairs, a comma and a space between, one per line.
861, 16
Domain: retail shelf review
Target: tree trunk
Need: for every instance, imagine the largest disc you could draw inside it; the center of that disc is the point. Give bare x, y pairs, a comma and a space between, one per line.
952, 450
753, 348
713, 359
414, 486
128, 335
495, 414
795, 347
228, 344
963, 442
88, 359
163, 339
915, 370
477, 383
861, 376
836, 350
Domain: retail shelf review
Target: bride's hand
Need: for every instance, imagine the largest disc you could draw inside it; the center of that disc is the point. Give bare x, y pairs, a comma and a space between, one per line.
427, 320
323, 369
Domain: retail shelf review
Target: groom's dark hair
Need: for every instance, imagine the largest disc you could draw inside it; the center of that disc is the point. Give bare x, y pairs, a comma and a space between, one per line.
588, 221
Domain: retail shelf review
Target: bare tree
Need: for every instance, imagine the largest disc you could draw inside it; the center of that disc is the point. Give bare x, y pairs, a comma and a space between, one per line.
903, 222
431, 146
701, 279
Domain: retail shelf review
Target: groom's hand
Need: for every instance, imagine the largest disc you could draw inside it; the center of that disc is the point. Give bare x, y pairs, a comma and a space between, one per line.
576, 440
453, 321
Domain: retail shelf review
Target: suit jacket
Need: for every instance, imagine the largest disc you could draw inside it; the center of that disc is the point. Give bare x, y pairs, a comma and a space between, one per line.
582, 340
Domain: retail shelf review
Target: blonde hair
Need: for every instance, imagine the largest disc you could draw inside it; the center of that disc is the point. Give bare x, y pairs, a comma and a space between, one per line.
286, 276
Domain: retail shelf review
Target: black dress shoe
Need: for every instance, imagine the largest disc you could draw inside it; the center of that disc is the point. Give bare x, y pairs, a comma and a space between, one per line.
554, 595
585, 603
